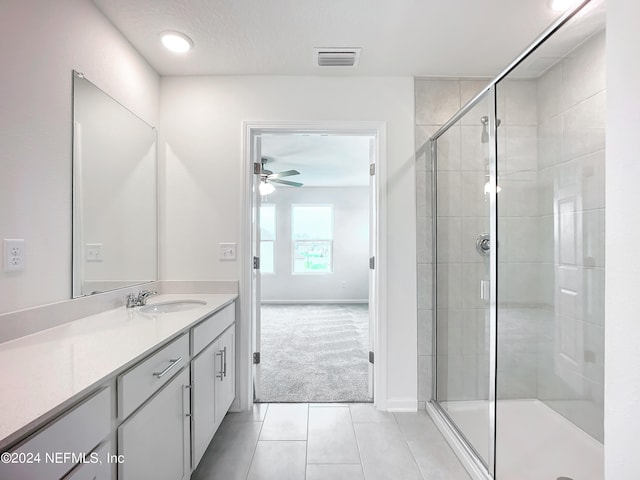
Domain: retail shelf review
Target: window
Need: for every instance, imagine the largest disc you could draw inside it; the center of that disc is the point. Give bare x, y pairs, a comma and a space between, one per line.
267, 237
312, 235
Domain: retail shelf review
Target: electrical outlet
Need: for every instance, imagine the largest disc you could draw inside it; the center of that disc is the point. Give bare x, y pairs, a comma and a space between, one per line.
227, 251
13, 255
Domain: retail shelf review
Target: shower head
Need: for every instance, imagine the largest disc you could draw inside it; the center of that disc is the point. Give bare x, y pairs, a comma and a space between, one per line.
484, 137
484, 120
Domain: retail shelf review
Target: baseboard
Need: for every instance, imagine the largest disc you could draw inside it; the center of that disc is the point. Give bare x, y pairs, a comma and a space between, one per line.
402, 405
331, 301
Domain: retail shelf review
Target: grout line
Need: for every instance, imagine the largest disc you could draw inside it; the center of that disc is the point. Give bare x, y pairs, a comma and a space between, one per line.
353, 427
306, 446
255, 447
406, 442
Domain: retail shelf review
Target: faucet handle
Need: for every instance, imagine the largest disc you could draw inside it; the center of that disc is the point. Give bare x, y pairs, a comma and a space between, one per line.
144, 294
131, 300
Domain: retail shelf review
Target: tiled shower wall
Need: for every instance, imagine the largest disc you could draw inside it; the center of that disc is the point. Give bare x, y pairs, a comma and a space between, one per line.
518, 253
437, 100
551, 329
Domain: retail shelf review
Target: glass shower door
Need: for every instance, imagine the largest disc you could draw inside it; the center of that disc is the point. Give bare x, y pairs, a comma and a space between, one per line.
463, 255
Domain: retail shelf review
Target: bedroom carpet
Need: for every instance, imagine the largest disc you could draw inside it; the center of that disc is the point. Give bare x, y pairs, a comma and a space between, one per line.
314, 353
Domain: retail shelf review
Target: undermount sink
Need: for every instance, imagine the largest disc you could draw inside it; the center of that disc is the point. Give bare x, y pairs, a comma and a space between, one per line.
172, 306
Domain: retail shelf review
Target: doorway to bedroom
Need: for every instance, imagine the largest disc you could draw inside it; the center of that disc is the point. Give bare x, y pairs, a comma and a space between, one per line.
315, 207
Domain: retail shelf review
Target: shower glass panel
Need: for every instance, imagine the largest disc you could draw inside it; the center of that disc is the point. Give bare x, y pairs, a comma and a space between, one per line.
519, 333
551, 212
462, 225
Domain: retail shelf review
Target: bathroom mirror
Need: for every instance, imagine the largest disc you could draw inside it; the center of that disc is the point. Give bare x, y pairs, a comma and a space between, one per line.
114, 193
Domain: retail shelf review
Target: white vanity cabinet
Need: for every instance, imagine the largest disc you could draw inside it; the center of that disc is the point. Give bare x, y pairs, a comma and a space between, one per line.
155, 442
213, 391
226, 388
203, 374
152, 417
212, 376
99, 466
54, 450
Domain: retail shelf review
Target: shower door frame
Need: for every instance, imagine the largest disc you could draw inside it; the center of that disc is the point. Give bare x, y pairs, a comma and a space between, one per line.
455, 437
460, 444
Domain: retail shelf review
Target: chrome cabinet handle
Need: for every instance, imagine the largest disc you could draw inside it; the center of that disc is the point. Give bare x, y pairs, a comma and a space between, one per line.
173, 363
220, 374
224, 370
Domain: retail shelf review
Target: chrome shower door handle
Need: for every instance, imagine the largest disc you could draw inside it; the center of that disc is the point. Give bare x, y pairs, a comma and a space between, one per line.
483, 244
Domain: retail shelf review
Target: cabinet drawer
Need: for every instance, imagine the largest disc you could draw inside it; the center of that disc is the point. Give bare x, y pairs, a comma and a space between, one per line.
102, 469
207, 331
75, 433
143, 380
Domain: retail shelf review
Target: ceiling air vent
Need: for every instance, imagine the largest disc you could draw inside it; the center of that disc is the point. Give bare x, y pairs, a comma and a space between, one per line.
337, 57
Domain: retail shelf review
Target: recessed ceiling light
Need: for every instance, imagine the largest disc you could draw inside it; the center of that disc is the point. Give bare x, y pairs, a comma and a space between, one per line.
562, 5
176, 42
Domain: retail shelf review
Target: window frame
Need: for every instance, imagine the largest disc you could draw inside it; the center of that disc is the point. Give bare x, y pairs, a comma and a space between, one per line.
271, 241
330, 240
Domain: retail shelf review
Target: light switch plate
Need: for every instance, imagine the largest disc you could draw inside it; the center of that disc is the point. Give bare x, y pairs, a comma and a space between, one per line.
93, 252
227, 251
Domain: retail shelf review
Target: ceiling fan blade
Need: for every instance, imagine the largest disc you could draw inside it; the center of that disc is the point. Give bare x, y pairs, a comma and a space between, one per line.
286, 182
286, 173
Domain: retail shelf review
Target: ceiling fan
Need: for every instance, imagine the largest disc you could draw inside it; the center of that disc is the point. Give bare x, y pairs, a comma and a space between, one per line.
267, 177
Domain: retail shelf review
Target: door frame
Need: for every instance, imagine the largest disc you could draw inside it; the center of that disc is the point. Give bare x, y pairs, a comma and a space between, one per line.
244, 397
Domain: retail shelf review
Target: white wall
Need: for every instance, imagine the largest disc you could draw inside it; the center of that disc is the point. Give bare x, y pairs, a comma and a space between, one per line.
43, 42
349, 279
622, 335
201, 146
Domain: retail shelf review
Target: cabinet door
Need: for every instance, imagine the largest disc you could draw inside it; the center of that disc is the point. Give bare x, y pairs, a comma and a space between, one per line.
77, 431
226, 389
204, 369
102, 469
155, 441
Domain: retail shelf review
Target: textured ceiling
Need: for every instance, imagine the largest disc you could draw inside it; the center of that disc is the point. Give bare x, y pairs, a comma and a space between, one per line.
470, 38
277, 37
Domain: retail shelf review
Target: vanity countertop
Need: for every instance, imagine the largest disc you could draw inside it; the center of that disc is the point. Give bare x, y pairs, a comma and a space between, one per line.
46, 372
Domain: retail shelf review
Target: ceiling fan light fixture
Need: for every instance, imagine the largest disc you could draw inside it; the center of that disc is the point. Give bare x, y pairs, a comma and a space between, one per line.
176, 42
266, 188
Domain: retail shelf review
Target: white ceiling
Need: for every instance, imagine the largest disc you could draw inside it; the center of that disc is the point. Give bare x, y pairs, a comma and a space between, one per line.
277, 37
322, 160
469, 38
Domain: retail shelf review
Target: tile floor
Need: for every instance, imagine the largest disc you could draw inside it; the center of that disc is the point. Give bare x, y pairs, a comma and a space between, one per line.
300, 441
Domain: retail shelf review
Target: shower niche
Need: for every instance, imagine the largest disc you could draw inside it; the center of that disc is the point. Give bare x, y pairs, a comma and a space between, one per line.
518, 259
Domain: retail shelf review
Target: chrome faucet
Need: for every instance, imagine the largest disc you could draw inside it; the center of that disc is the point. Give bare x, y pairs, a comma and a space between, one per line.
141, 299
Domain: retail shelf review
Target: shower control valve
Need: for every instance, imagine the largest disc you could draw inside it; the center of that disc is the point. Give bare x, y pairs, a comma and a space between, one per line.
483, 244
